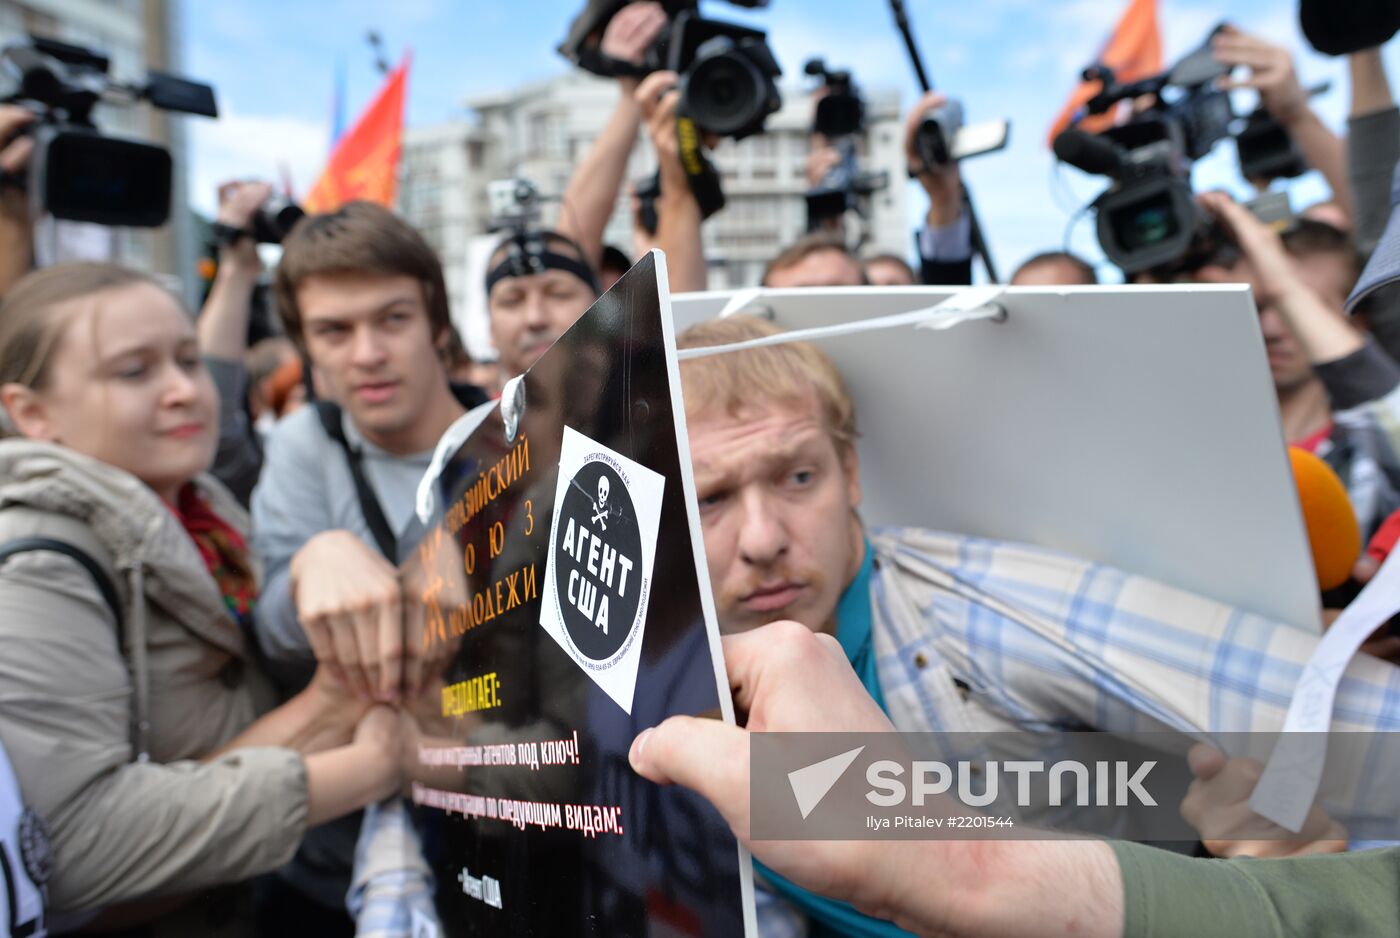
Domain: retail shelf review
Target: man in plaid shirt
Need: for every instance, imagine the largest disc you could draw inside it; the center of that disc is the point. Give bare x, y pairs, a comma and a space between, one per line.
951, 633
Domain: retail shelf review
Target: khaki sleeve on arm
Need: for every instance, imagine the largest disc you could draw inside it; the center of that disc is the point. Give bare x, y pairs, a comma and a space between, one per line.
121, 829
1339, 894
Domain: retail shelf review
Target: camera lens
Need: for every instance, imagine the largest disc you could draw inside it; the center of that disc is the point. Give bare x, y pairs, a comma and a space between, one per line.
275, 219
724, 93
1146, 223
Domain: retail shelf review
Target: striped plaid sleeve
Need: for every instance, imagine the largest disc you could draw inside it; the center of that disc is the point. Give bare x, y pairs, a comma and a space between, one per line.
1058, 642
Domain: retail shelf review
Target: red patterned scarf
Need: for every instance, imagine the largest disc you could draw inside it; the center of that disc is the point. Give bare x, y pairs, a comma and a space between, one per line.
224, 550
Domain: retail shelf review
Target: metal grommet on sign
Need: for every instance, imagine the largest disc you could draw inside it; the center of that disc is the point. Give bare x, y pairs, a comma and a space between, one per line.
513, 406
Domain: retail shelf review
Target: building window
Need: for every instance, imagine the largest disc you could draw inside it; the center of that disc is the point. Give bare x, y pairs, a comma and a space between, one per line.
763, 145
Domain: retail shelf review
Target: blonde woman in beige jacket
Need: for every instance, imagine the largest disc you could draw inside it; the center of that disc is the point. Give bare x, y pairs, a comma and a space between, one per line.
138, 738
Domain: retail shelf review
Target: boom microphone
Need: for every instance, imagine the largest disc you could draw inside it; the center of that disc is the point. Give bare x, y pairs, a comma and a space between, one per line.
1333, 533
1089, 152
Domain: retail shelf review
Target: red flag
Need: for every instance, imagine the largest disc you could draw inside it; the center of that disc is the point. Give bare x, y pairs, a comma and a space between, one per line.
364, 162
1133, 51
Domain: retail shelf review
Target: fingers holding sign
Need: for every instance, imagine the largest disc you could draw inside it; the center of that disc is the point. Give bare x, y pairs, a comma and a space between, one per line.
1217, 805
785, 678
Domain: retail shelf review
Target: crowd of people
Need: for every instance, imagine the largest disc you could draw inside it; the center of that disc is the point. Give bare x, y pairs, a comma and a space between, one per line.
207, 687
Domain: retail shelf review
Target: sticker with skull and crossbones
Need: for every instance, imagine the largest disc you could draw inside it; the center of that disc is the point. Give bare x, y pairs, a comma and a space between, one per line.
600, 507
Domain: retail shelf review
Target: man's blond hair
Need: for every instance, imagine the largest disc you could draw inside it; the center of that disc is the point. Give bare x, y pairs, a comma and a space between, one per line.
790, 373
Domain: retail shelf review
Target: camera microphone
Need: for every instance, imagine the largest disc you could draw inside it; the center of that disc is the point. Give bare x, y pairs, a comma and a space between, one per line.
1089, 152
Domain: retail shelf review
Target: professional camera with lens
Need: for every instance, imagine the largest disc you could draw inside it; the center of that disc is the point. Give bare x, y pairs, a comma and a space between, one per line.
728, 73
275, 218
1148, 220
1266, 149
840, 117
76, 172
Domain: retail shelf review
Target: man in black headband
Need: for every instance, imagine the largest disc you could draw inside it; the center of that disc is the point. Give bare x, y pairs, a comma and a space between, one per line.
537, 284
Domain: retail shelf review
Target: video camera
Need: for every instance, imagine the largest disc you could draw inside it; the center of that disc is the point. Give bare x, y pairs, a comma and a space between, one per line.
1148, 219
942, 137
840, 117
727, 72
76, 172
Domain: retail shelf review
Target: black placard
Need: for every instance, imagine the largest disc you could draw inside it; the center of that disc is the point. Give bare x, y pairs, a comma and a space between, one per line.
530, 815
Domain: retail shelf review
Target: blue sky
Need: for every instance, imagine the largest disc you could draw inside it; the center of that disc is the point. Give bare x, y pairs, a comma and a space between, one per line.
273, 64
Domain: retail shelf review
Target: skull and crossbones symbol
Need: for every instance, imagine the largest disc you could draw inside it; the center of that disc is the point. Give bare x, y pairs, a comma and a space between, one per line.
600, 507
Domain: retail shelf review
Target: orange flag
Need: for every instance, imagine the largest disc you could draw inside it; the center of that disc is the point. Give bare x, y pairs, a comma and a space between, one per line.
1133, 51
364, 163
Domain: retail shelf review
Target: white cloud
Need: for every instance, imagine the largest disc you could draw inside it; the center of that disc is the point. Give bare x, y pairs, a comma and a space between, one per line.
253, 146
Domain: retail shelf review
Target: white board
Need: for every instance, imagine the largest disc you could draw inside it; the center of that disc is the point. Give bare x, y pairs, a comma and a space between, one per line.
1133, 426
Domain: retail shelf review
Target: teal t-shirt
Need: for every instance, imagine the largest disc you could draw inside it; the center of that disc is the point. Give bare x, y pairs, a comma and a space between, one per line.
854, 632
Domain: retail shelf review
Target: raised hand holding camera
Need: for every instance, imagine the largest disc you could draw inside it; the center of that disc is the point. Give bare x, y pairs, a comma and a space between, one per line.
239, 203
677, 206
941, 180
841, 188
16, 247
1326, 334
1271, 72
630, 34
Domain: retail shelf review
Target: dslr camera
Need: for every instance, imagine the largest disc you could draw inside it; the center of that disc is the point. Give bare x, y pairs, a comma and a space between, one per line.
1147, 219
275, 219
77, 172
840, 117
728, 74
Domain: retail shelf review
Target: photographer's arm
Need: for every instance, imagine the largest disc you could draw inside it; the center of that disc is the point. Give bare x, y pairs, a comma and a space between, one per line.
592, 192
821, 159
678, 215
1333, 345
16, 233
223, 321
591, 196
1271, 74
1325, 334
1373, 146
1370, 89
223, 338
945, 241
